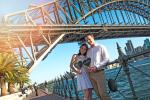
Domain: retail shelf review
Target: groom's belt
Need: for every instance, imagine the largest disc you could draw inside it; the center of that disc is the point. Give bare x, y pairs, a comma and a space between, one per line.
99, 69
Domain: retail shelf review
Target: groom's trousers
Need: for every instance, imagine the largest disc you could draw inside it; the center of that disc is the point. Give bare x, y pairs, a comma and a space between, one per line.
99, 84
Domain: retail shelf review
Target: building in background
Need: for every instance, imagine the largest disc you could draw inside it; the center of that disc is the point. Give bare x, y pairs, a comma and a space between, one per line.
146, 44
138, 50
130, 50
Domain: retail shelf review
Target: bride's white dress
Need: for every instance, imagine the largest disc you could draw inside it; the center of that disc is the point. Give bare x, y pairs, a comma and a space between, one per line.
83, 81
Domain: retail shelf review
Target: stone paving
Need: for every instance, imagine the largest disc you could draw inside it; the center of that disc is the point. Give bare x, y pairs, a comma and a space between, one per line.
42, 95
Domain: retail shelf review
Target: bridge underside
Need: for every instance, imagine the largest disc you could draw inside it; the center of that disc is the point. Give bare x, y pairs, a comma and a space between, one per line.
42, 35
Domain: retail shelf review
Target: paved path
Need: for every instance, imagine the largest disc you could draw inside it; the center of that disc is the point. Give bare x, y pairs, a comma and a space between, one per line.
48, 97
42, 95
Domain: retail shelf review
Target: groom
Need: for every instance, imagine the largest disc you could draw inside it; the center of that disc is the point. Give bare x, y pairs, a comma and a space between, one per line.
99, 57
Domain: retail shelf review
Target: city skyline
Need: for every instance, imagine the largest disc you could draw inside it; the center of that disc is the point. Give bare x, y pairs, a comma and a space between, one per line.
130, 49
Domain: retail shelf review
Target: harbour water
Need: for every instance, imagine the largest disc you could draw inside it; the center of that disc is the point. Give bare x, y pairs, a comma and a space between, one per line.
141, 81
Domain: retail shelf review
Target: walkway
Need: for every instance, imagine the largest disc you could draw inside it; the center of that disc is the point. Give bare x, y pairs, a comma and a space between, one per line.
42, 95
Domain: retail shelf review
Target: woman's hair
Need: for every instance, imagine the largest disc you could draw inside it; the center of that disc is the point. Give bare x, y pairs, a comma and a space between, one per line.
86, 48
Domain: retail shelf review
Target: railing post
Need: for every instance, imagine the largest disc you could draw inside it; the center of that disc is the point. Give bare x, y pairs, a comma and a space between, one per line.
63, 86
54, 87
73, 81
59, 85
67, 84
123, 61
51, 83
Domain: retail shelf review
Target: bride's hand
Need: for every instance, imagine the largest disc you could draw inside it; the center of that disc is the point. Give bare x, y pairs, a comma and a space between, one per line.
74, 59
78, 71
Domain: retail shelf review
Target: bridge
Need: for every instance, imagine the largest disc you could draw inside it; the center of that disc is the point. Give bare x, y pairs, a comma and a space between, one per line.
34, 32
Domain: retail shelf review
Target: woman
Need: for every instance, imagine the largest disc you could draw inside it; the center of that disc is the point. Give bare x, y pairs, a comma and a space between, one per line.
83, 82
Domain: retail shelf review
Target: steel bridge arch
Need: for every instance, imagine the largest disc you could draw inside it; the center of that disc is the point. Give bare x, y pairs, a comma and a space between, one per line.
116, 7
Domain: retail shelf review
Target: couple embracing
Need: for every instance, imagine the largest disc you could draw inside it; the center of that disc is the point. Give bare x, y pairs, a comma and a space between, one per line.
91, 75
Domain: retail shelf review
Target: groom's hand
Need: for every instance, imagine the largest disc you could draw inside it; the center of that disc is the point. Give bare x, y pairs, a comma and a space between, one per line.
92, 69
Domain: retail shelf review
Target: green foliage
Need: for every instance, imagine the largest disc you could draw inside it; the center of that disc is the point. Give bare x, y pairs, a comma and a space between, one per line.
12, 69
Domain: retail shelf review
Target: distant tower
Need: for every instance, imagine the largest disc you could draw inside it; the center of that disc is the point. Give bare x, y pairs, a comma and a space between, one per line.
138, 50
146, 44
129, 48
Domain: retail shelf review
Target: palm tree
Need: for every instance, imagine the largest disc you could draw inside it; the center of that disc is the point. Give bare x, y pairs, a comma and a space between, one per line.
3, 86
6, 63
21, 75
11, 71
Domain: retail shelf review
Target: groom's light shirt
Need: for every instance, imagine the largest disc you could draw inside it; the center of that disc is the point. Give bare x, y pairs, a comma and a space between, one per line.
99, 56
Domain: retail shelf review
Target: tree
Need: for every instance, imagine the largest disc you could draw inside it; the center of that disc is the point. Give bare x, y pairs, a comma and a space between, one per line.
11, 71
6, 63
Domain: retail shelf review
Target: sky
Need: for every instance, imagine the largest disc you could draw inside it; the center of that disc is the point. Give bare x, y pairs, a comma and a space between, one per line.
58, 61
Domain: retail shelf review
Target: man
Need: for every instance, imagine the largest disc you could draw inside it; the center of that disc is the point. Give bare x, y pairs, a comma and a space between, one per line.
99, 57
35, 88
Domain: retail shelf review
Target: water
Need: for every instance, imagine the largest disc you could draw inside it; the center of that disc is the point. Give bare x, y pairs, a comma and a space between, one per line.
141, 82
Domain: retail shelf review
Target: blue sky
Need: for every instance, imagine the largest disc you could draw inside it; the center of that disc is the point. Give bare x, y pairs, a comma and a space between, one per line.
58, 60
9, 6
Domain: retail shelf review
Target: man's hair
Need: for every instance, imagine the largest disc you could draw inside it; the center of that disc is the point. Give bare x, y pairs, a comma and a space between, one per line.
90, 35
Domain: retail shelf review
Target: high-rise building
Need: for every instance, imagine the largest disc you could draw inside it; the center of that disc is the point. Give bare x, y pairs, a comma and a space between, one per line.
138, 49
146, 44
129, 48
